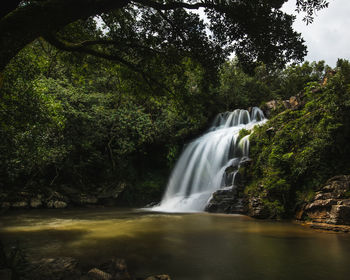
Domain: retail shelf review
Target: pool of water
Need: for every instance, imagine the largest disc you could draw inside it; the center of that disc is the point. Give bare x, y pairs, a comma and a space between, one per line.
185, 246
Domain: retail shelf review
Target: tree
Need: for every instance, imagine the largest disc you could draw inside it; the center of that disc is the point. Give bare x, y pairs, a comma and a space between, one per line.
255, 29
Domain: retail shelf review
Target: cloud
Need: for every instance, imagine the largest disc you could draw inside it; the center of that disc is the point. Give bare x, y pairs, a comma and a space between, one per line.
327, 37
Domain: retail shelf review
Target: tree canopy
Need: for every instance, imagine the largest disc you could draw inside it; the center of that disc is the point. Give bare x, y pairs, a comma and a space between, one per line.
135, 30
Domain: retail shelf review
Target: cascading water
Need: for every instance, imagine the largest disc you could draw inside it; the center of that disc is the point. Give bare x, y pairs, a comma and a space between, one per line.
201, 167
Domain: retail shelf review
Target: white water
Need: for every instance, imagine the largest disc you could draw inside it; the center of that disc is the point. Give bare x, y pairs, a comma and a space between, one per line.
200, 169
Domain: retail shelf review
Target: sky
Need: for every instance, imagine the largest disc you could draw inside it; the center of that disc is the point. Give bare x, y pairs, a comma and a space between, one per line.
328, 37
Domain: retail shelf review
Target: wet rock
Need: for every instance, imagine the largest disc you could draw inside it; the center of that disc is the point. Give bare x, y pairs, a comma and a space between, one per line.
5, 274
56, 204
64, 268
152, 204
159, 277
97, 274
226, 201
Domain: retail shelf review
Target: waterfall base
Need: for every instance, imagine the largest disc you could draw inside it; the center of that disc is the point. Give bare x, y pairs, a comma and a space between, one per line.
210, 163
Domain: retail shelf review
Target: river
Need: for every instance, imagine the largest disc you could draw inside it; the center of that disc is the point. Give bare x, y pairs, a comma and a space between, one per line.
185, 246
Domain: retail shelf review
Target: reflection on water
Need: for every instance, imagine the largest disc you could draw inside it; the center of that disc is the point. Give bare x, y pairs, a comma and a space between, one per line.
186, 246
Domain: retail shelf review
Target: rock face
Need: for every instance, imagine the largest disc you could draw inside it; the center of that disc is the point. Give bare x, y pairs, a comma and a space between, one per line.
256, 208
230, 199
331, 204
226, 201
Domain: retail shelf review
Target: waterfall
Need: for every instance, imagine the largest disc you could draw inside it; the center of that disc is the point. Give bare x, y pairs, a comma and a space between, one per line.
200, 170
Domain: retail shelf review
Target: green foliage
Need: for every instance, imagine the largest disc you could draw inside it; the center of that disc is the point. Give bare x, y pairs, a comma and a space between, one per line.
308, 146
72, 120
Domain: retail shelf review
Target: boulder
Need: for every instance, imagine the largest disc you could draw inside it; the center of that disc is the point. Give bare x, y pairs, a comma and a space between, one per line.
226, 201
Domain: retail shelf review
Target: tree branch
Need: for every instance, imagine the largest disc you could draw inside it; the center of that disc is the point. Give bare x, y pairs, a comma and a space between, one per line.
175, 5
84, 48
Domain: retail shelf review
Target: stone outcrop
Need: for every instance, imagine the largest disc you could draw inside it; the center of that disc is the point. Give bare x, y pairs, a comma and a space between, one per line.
330, 205
226, 201
230, 199
256, 208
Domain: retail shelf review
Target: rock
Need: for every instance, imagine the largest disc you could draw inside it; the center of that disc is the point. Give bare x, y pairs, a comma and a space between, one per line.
36, 203
63, 268
226, 201
326, 203
271, 105
20, 204
96, 274
257, 209
330, 205
152, 204
339, 215
5, 274
159, 277
56, 204
295, 102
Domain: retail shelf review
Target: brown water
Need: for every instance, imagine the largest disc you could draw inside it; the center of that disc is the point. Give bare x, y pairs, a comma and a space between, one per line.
186, 246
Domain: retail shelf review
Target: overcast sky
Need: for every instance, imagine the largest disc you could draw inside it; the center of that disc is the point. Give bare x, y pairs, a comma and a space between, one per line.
328, 37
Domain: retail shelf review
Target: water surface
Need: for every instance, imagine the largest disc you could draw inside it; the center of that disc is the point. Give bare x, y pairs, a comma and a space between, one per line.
186, 246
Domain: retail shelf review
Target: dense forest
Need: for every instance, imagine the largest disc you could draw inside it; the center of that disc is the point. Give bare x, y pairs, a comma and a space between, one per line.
99, 99
106, 103
71, 119
87, 123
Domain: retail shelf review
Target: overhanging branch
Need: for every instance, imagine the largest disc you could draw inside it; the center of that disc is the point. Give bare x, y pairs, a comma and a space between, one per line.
84, 47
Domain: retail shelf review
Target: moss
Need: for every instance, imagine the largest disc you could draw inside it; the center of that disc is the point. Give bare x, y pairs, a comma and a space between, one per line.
243, 132
308, 146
